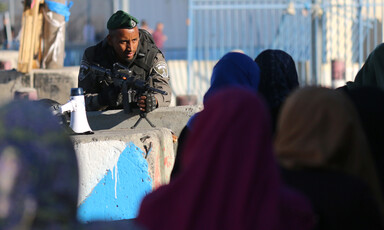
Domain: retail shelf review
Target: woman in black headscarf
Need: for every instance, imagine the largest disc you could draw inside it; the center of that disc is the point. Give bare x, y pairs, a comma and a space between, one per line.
372, 72
278, 78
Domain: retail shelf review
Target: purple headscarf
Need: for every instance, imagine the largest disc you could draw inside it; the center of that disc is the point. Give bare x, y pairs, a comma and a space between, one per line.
230, 178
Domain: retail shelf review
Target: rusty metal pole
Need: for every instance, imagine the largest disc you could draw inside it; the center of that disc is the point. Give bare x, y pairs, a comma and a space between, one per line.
53, 39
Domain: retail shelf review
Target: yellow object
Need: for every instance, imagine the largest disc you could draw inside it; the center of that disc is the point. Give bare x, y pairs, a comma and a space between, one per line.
30, 40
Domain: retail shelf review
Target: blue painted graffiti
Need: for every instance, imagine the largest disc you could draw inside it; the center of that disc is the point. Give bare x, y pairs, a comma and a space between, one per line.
118, 195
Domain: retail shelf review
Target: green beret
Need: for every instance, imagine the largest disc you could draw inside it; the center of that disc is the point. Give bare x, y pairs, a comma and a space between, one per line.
121, 20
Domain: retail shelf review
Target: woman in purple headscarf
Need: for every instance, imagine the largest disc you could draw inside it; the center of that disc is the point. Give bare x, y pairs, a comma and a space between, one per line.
230, 178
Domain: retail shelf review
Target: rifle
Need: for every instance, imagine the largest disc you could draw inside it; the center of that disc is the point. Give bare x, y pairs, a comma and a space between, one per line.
130, 85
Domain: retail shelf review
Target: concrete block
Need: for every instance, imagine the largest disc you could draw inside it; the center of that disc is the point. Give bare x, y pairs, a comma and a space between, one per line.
118, 168
173, 118
119, 165
10, 82
55, 84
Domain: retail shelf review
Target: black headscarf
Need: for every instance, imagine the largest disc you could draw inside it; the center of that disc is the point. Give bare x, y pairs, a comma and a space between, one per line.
277, 79
372, 72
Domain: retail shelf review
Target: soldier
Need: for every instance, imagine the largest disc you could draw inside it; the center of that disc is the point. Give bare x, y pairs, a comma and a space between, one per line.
134, 49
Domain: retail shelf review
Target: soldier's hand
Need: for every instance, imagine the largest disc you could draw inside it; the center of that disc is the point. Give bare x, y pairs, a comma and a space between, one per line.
147, 103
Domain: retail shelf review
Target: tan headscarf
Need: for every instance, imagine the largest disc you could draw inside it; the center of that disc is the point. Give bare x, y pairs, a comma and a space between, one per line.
319, 127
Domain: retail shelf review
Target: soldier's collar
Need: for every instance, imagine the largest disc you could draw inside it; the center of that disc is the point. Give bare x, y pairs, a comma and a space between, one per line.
105, 42
139, 53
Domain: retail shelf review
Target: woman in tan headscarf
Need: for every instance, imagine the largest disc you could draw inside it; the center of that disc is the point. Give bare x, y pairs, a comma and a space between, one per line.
324, 153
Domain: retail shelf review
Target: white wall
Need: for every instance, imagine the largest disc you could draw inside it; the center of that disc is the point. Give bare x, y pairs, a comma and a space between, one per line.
173, 13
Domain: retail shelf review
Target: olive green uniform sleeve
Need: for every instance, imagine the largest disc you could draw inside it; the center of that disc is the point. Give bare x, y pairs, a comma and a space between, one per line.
160, 77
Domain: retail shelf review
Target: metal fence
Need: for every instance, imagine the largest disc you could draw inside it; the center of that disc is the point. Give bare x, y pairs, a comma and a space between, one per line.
329, 40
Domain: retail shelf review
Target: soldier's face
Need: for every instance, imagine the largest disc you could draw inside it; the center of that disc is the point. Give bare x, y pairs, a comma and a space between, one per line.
124, 42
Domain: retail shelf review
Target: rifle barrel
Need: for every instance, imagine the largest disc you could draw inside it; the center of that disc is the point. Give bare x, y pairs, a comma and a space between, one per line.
157, 90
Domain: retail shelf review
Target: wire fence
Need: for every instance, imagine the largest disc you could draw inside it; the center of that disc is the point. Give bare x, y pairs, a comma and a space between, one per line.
329, 40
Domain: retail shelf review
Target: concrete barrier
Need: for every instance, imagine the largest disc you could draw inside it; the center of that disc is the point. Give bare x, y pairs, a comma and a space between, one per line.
118, 165
173, 118
118, 168
10, 82
51, 84
55, 84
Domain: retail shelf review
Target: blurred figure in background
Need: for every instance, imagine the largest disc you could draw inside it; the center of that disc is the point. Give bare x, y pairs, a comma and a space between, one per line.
89, 34
278, 77
144, 25
158, 36
229, 177
9, 38
324, 153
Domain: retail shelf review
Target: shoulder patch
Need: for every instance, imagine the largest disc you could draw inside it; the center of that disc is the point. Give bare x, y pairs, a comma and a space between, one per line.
162, 69
84, 67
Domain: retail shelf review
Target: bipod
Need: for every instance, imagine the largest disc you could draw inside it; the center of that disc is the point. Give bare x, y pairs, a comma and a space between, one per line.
143, 115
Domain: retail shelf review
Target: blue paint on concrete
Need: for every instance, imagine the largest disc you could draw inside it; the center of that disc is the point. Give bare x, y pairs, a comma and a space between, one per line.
118, 200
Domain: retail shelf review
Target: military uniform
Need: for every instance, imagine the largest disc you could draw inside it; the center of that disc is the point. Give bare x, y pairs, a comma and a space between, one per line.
148, 65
